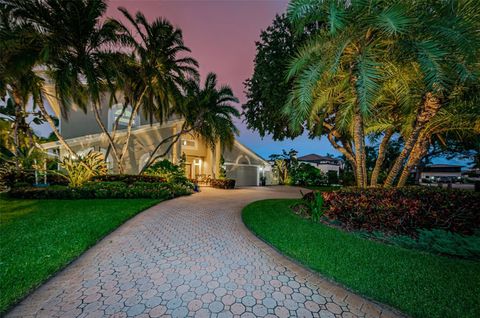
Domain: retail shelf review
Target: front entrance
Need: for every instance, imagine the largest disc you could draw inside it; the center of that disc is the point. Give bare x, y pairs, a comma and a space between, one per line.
194, 169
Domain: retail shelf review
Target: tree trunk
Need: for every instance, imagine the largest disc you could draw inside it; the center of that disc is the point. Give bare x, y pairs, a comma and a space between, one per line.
429, 109
382, 149
129, 133
154, 157
359, 148
418, 152
16, 126
109, 137
50, 121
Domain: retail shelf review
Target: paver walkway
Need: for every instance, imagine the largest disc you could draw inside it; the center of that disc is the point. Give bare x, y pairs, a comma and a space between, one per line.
192, 256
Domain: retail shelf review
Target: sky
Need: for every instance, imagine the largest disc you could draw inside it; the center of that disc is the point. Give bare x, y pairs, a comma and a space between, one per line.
222, 35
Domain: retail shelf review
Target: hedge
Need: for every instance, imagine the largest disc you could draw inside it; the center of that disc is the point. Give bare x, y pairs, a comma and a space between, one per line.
103, 190
128, 178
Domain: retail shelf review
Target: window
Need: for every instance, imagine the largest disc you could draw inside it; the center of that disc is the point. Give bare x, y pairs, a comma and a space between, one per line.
116, 111
189, 144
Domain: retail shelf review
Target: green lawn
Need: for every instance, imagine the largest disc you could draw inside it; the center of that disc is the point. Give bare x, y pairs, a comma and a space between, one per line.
417, 283
38, 238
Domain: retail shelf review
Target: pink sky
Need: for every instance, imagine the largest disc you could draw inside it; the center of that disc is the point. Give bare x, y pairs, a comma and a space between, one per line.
222, 35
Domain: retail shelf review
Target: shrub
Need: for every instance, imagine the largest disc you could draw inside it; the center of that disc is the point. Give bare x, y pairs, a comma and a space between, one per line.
223, 183
332, 177
306, 174
167, 170
10, 177
128, 178
82, 169
313, 202
404, 210
50, 192
103, 190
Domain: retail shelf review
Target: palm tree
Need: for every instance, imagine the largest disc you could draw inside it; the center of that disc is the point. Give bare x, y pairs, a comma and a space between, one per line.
74, 44
445, 46
21, 47
340, 71
153, 74
459, 119
208, 114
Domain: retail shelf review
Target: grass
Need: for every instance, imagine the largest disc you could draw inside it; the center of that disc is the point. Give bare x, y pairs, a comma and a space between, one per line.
417, 283
38, 238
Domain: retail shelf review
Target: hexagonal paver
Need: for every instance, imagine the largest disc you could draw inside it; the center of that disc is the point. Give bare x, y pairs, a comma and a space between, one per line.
191, 256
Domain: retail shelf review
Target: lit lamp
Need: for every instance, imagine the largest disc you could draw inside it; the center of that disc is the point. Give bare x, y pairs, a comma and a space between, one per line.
262, 178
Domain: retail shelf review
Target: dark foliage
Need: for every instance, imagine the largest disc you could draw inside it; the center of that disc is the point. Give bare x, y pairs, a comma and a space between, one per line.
13, 177
104, 190
267, 91
129, 178
223, 183
404, 210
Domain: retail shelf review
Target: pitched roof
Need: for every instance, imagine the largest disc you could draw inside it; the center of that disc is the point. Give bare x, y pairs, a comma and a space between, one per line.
314, 157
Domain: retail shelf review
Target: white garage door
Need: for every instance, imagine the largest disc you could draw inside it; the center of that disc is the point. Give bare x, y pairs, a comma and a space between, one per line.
243, 175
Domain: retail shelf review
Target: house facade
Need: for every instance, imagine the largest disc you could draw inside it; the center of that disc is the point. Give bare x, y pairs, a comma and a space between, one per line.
323, 163
83, 134
441, 172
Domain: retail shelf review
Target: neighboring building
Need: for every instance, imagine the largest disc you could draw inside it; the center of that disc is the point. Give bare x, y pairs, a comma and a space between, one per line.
440, 172
325, 164
83, 134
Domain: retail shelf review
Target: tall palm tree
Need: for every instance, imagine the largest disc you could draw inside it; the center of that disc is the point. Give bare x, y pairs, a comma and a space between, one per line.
341, 69
21, 47
74, 44
208, 110
445, 45
459, 119
152, 75
208, 113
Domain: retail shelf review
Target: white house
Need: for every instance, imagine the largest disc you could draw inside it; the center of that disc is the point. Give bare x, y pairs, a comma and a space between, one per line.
323, 163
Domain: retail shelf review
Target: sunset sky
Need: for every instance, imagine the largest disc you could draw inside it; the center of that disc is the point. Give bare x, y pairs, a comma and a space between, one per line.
222, 35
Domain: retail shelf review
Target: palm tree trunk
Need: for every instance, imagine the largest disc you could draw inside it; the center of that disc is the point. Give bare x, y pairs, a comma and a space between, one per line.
382, 149
174, 138
418, 152
109, 137
50, 121
16, 127
129, 127
431, 105
359, 148
343, 150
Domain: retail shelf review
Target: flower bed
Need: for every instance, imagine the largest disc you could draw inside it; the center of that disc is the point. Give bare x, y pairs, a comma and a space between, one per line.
405, 210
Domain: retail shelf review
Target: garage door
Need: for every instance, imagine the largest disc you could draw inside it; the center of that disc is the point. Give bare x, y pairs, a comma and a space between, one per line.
243, 175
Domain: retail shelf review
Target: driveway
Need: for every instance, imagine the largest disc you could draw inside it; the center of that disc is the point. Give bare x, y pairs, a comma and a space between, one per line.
192, 256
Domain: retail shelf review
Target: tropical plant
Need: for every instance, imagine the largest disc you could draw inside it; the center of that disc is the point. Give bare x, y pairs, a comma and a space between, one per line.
168, 171
81, 169
208, 113
151, 76
69, 43
338, 74
445, 47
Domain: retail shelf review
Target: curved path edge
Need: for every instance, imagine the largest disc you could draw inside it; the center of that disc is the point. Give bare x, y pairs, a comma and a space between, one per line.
193, 257
369, 307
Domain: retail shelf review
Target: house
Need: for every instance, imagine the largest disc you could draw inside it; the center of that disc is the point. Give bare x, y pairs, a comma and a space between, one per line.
323, 163
440, 172
83, 134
